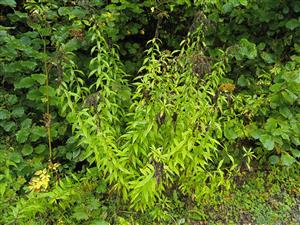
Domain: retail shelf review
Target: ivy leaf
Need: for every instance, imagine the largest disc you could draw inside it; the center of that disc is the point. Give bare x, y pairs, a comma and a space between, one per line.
27, 150
287, 160
267, 141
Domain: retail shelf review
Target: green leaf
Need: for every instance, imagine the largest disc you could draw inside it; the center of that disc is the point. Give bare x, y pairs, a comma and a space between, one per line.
227, 7
230, 133
37, 132
72, 12
286, 112
289, 96
275, 87
11, 3
22, 135
247, 49
268, 57
271, 124
17, 112
12, 99
296, 6
72, 45
123, 221
274, 159
99, 222
27, 150
267, 141
80, 213
48, 90
4, 114
8, 125
292, 24
34, 95
255, 132
24, 83
15, 157
287, 160
296, 153
40, 78
243, 81
40, 148
26, 123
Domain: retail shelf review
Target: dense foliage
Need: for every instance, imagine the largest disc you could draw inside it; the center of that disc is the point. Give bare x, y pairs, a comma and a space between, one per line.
142, 105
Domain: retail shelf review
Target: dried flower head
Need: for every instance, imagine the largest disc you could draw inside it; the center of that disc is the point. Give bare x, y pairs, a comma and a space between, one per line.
228, 87
47, 119
201, 65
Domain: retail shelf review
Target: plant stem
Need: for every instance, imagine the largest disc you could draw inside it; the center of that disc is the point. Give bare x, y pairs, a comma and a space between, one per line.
48, 123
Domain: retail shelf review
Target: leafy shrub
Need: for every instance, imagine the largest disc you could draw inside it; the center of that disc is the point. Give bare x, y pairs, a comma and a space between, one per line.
214, 91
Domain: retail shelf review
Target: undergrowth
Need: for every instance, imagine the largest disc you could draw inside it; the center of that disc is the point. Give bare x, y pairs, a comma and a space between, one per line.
149, 112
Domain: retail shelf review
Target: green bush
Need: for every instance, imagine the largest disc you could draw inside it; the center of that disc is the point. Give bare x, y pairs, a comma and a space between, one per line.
142, 102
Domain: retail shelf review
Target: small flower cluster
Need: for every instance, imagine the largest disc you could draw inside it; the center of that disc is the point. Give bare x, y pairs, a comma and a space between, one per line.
41, 179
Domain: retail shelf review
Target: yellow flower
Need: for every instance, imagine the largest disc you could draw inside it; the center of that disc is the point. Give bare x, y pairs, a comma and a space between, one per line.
40, 181
53, 166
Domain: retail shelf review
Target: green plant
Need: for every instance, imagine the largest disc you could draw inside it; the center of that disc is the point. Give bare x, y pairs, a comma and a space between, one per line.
153, 105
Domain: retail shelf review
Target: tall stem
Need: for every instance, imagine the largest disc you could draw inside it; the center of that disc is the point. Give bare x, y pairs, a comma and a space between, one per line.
48, 115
